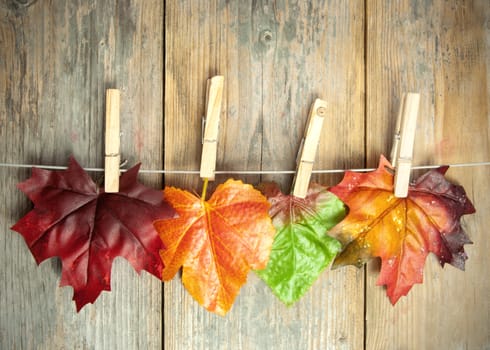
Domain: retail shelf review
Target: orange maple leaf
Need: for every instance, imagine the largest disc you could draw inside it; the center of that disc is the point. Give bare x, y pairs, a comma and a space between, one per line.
401, 231
216, 241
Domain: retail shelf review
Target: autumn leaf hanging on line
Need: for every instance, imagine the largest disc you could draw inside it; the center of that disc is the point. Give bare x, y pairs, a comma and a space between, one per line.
401, 231
401, 225
215, 241
87, 228
302, 248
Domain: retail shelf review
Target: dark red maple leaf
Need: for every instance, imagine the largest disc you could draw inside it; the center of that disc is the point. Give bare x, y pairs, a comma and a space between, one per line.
87, 228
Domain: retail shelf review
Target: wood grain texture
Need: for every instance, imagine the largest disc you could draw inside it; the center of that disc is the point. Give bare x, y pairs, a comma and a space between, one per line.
440, 49
56, 60
277, 57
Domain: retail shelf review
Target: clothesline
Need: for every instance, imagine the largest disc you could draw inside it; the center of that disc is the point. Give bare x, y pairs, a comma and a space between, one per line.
240, 172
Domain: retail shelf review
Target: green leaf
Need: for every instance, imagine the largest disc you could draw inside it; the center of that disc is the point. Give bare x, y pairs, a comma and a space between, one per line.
301, 249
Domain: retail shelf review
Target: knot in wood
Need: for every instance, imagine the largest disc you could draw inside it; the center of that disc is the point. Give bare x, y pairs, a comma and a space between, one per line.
266, 37
23, 3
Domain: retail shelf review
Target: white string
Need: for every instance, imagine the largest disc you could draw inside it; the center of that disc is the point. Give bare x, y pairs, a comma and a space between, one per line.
239, 172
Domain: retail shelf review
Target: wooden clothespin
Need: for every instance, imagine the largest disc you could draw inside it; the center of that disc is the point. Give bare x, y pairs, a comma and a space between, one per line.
402, 151
214, 97
112, 156
308, 148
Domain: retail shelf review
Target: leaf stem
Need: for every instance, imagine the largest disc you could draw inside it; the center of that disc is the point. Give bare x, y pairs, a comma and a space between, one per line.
204, 189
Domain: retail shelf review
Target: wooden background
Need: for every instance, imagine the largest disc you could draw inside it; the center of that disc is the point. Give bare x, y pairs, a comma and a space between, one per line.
57, 57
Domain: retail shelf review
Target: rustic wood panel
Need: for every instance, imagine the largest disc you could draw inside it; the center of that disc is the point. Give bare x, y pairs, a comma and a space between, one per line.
440, 49
56, 60
277, 57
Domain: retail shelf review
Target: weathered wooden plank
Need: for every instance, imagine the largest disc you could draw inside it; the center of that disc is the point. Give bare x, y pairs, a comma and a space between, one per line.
56, 60
440, 49
277, 57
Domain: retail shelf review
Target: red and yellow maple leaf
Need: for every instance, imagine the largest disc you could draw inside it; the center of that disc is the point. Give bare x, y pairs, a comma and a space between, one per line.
216, 241
87, 228
401, 231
